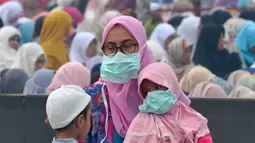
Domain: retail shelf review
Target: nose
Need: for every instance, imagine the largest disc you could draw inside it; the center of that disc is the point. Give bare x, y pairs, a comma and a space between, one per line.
118, 50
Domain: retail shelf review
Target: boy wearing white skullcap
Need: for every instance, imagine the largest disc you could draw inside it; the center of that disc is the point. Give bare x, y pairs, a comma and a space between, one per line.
68, 110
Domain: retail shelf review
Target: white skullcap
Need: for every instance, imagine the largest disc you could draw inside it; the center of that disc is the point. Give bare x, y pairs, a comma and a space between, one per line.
65, 104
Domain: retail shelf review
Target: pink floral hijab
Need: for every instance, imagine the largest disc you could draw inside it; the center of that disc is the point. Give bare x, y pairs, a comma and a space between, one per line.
180, 124
124, 98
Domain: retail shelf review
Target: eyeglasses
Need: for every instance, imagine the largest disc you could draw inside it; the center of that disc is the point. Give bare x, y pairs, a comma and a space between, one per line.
112, 49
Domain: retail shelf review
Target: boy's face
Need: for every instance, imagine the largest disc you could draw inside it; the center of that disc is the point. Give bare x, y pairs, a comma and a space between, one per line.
83, 123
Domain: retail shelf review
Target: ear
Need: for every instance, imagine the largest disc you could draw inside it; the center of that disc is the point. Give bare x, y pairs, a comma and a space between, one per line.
80, 120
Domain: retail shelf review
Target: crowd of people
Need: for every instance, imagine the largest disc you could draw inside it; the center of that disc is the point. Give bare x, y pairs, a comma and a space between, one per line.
119, 72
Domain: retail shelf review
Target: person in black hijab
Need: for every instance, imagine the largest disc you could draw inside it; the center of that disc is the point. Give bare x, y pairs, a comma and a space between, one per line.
220, 16
206, 19
38, 28
211, 53
175, 21
248, 15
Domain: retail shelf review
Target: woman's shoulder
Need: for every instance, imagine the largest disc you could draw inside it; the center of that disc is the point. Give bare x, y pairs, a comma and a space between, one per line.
95, 91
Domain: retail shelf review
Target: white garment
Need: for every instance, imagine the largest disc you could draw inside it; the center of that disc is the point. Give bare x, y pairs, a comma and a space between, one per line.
79, 47
7, 53
9, 11
160, 35
188, 28
27, 56
108, 16
156, 50
22, 20
61, 4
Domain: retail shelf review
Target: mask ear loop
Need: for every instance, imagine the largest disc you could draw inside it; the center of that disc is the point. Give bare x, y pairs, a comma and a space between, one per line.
107, 113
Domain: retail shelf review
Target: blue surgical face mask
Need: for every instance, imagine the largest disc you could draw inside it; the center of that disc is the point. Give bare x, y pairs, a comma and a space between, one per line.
120, 68
158, 102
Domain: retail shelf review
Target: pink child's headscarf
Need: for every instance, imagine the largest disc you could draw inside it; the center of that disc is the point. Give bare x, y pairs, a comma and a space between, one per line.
124, 98
179, 124
72, 73
75, 14
208, 90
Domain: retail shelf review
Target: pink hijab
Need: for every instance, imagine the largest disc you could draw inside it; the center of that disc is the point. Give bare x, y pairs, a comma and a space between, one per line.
75, 14
72, 73
180, 124
208, 90
44, 13
124, 98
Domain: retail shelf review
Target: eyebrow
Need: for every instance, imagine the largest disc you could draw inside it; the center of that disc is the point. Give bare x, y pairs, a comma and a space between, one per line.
127, 40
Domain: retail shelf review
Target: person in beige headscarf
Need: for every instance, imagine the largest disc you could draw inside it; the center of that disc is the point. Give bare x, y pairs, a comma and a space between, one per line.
179, 56
199, 74
242, 92
236, 75
247, 81
232, 27
208, 90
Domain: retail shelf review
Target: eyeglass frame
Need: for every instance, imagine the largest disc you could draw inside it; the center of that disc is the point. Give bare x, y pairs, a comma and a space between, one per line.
120, 47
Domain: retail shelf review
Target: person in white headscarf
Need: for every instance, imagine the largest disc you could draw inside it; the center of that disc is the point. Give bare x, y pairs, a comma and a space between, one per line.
156, 50
188, 30
10, 12
9, 44
30, 57
61, 4
108, 16
163, 34
84, 48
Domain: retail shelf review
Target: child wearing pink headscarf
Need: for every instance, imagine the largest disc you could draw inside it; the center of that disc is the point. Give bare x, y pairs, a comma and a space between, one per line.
162, 117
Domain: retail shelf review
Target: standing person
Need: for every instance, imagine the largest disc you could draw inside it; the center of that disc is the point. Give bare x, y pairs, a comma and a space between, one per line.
69, 114
125, 54
210, 52
162, 117
55, 28
9, 43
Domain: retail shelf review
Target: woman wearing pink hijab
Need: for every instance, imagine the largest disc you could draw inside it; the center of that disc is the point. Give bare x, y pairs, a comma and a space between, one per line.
162, 117
125, 54
75, 14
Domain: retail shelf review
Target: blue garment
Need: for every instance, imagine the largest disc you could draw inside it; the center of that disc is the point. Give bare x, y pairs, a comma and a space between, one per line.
243, 3
27, 30
245, 40
117, 138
